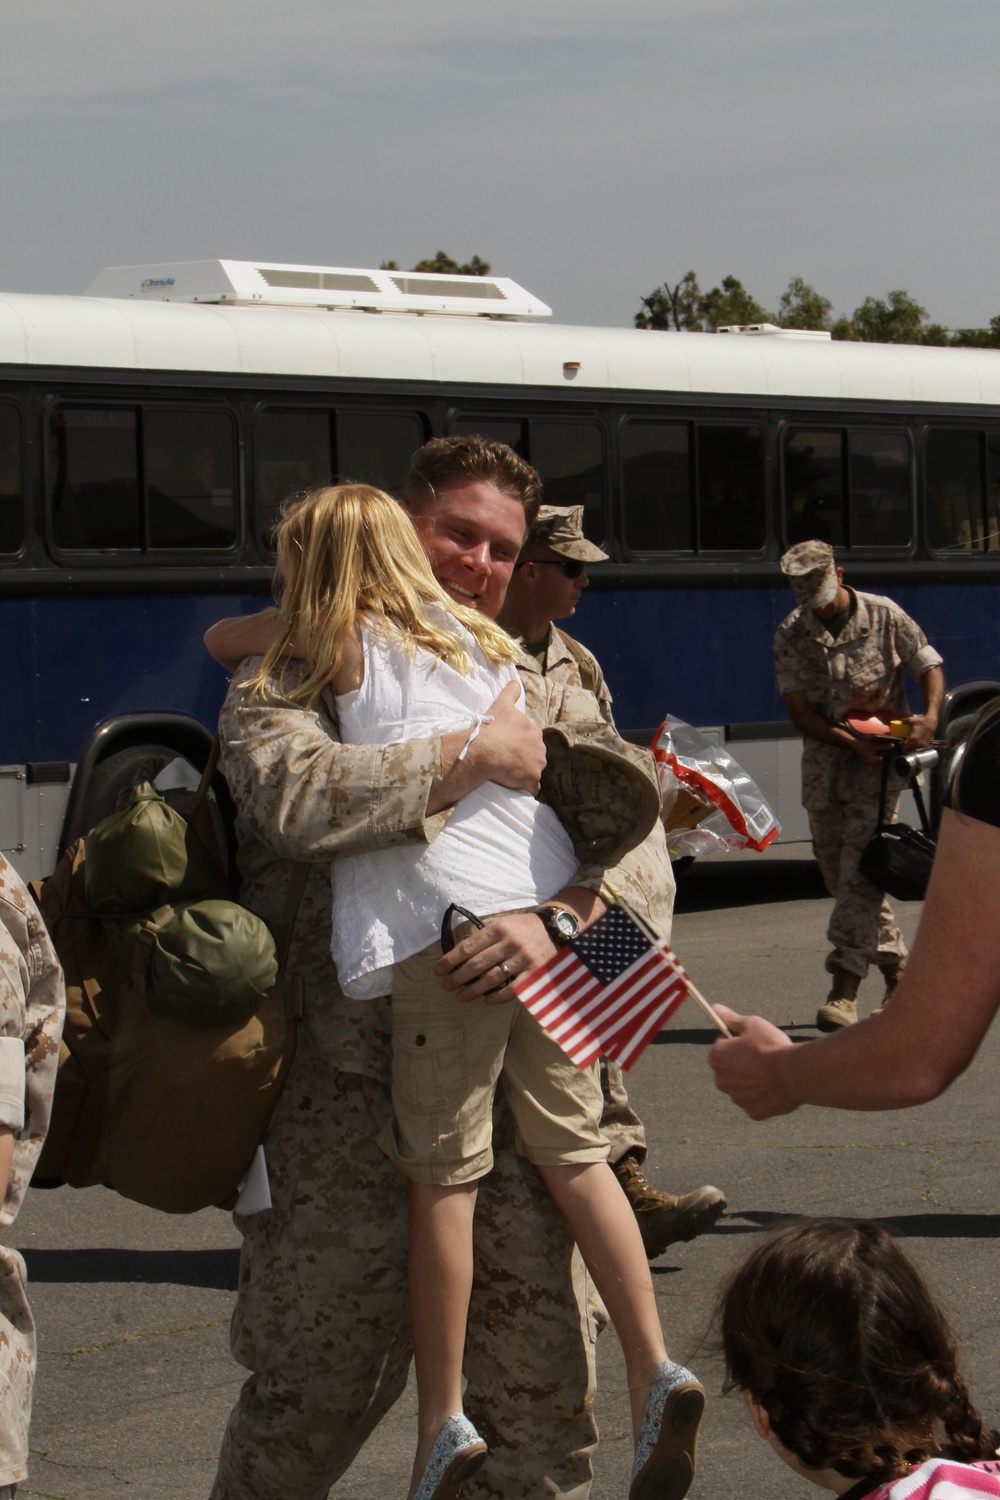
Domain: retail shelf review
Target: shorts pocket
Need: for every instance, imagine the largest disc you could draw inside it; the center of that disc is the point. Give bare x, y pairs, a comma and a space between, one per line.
429, 1068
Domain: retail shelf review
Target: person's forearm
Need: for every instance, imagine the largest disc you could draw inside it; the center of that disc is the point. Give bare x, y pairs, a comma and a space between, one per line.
930, 1032
586, 905
924, 725
232, 640
932, 687
815, 727
458, 777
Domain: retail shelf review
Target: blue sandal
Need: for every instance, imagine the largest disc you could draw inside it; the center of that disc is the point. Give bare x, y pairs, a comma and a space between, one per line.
665, 1453
457, 1453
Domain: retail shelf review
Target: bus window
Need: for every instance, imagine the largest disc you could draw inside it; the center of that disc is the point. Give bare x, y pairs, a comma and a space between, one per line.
730, 488
190, 472
656, 465
509, 430
569, 456
293, 452
94, 478
375, 447
881, 488
814, 486
955, 476
991, 537
11, 480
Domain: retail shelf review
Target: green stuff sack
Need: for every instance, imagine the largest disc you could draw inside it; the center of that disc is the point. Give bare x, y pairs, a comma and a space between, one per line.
208, 963
146, 855
179, 1031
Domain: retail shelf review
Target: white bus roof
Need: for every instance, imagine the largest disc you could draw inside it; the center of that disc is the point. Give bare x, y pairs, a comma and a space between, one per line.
128, 334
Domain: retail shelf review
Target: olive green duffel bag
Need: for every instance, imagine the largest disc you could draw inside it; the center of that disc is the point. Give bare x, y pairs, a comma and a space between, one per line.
178, 1035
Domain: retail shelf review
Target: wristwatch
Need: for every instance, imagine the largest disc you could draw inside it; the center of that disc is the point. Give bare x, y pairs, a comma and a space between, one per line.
560, 924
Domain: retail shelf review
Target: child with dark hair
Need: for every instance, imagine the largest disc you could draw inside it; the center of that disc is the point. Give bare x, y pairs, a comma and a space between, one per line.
849, 1369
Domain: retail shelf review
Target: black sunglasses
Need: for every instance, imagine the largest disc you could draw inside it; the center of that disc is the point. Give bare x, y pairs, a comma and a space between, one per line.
571, 566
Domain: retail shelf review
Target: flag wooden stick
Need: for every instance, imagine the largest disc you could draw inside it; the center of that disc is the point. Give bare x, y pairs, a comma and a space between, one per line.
709, 1009
660, 943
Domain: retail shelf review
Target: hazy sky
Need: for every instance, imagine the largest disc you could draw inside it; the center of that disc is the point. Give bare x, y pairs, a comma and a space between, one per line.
587, 150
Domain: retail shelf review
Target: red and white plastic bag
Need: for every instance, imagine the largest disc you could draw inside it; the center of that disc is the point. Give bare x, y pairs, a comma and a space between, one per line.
709, 801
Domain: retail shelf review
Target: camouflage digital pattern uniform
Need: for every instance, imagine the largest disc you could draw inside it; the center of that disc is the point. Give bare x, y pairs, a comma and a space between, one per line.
858, 673
566, 661
322, 1318
32, 1010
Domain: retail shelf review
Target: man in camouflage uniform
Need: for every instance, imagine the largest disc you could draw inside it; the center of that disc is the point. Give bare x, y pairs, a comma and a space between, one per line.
841, 653
322, 1319
32, 1010
548, 579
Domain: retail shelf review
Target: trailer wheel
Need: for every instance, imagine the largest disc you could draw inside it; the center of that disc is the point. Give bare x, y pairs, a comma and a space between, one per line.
118, 773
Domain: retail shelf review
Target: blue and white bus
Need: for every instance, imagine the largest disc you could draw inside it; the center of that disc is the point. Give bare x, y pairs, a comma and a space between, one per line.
150, 429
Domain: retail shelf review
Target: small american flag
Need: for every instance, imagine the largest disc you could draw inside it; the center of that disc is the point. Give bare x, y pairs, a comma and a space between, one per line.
607, 993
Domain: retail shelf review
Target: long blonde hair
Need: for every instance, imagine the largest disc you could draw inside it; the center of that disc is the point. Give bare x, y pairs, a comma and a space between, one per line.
348, 549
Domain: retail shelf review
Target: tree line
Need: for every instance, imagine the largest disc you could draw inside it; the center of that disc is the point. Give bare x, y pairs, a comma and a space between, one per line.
896, 318
443, 264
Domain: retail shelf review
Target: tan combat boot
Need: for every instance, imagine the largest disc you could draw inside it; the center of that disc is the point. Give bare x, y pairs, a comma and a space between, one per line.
662, 1217
841, 1008
892, 973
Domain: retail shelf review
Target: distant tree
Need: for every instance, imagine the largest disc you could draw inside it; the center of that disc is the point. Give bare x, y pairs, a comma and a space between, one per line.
978, 338
801, 306
897, 320
730, 303
443, 264
672, 307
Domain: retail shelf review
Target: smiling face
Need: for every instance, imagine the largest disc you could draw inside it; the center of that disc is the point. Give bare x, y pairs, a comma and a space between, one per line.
472, 533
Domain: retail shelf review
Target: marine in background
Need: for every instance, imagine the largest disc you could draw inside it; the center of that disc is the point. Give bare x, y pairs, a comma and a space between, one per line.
548, 579
842, 653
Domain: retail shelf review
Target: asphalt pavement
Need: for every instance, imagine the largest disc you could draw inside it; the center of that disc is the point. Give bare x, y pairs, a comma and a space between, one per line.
135, 1377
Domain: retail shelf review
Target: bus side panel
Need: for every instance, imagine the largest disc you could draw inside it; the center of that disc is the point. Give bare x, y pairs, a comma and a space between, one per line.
962, 621
705, 656
95, 657
20, 695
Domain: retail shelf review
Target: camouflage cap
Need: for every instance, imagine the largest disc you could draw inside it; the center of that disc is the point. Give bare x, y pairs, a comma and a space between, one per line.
605, 791
560, 527
811, 573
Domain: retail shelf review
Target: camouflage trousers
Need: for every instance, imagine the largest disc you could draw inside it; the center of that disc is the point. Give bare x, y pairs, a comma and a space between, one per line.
620, 1125
322, 1317
17, 1370
862, 929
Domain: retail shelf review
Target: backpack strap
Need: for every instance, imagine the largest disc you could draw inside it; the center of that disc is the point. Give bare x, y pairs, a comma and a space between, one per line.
198, 812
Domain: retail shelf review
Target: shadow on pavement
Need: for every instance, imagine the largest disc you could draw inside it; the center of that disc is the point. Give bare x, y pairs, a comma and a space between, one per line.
711, 884
206, 1268
943, 1226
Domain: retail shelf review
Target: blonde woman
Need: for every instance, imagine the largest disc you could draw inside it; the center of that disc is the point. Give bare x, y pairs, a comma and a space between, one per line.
362, 609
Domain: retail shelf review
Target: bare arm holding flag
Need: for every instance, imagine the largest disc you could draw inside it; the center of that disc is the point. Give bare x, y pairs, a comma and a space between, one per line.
912, 1050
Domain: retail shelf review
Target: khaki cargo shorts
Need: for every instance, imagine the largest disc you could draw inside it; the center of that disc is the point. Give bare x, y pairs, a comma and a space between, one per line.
447, 1057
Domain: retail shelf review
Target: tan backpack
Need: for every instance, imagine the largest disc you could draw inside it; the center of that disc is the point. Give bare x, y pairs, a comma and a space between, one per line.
166, 1111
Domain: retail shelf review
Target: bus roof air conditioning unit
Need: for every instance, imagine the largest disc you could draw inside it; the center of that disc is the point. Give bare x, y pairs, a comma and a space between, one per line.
772, 330
244, 283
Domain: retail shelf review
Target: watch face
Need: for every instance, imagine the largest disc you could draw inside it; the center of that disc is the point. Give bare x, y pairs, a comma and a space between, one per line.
565, 924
